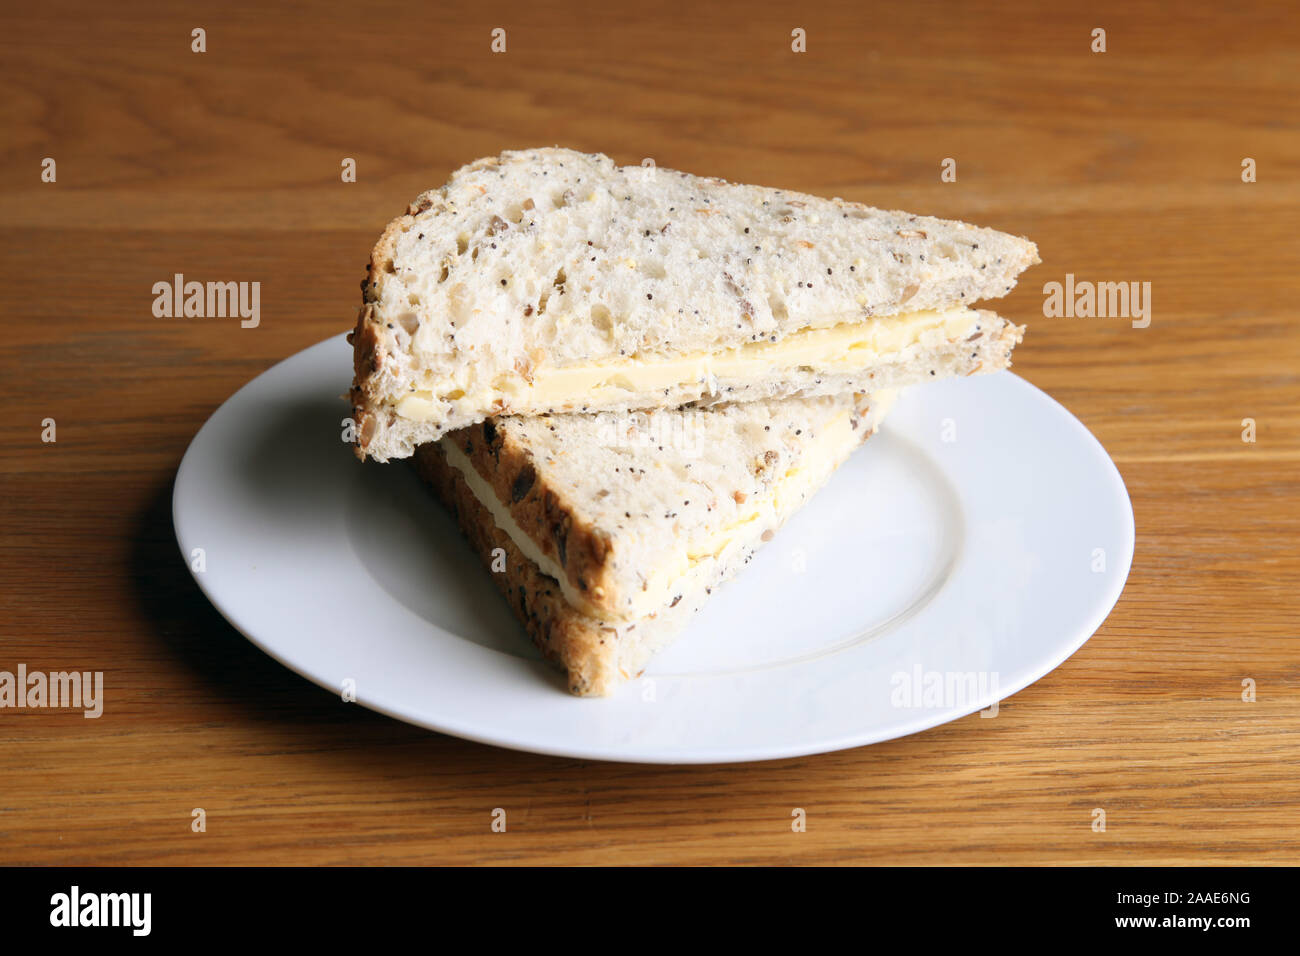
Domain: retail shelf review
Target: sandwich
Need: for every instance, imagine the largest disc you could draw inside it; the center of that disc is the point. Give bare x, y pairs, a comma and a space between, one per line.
607, 531
549, 281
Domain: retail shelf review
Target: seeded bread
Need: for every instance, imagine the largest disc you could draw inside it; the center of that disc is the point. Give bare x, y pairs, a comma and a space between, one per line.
549, 259
600, 528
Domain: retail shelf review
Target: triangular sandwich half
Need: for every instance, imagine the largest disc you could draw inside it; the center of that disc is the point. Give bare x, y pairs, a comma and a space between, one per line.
548, 280
614, 528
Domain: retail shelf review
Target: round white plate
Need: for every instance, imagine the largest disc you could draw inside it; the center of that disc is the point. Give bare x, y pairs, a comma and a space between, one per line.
966, 550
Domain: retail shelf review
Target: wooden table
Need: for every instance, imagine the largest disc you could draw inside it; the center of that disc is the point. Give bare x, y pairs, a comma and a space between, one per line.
225, 165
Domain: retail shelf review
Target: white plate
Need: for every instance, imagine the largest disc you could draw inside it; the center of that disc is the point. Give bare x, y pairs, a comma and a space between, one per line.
966, 550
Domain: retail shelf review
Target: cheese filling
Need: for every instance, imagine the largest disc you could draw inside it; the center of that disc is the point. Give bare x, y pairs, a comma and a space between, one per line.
706, 560
846, 348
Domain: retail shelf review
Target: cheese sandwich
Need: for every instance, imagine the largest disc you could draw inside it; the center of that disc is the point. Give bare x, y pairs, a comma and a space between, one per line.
548, 281
607, 531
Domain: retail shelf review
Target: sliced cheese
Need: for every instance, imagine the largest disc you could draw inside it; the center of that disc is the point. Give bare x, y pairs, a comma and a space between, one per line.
856, 346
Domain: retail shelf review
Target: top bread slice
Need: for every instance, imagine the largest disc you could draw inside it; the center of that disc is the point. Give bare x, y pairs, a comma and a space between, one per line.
543, 262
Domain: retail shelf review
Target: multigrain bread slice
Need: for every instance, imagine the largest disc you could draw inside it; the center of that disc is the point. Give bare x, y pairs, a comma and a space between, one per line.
622, 508
604, 567
549, 280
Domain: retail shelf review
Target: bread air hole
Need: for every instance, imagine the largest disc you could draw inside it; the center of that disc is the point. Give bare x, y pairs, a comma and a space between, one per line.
409, 321
515, 211
457, 307
462, 243
779, 311
601, 320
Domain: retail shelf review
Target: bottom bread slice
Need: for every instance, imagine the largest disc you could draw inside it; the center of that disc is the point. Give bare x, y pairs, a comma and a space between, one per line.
598, 655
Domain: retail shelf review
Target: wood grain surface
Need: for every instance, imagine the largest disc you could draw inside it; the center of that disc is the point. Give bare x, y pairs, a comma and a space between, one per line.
1123, 166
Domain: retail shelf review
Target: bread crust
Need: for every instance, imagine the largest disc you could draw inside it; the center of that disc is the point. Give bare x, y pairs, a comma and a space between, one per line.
545, 514
585, 648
